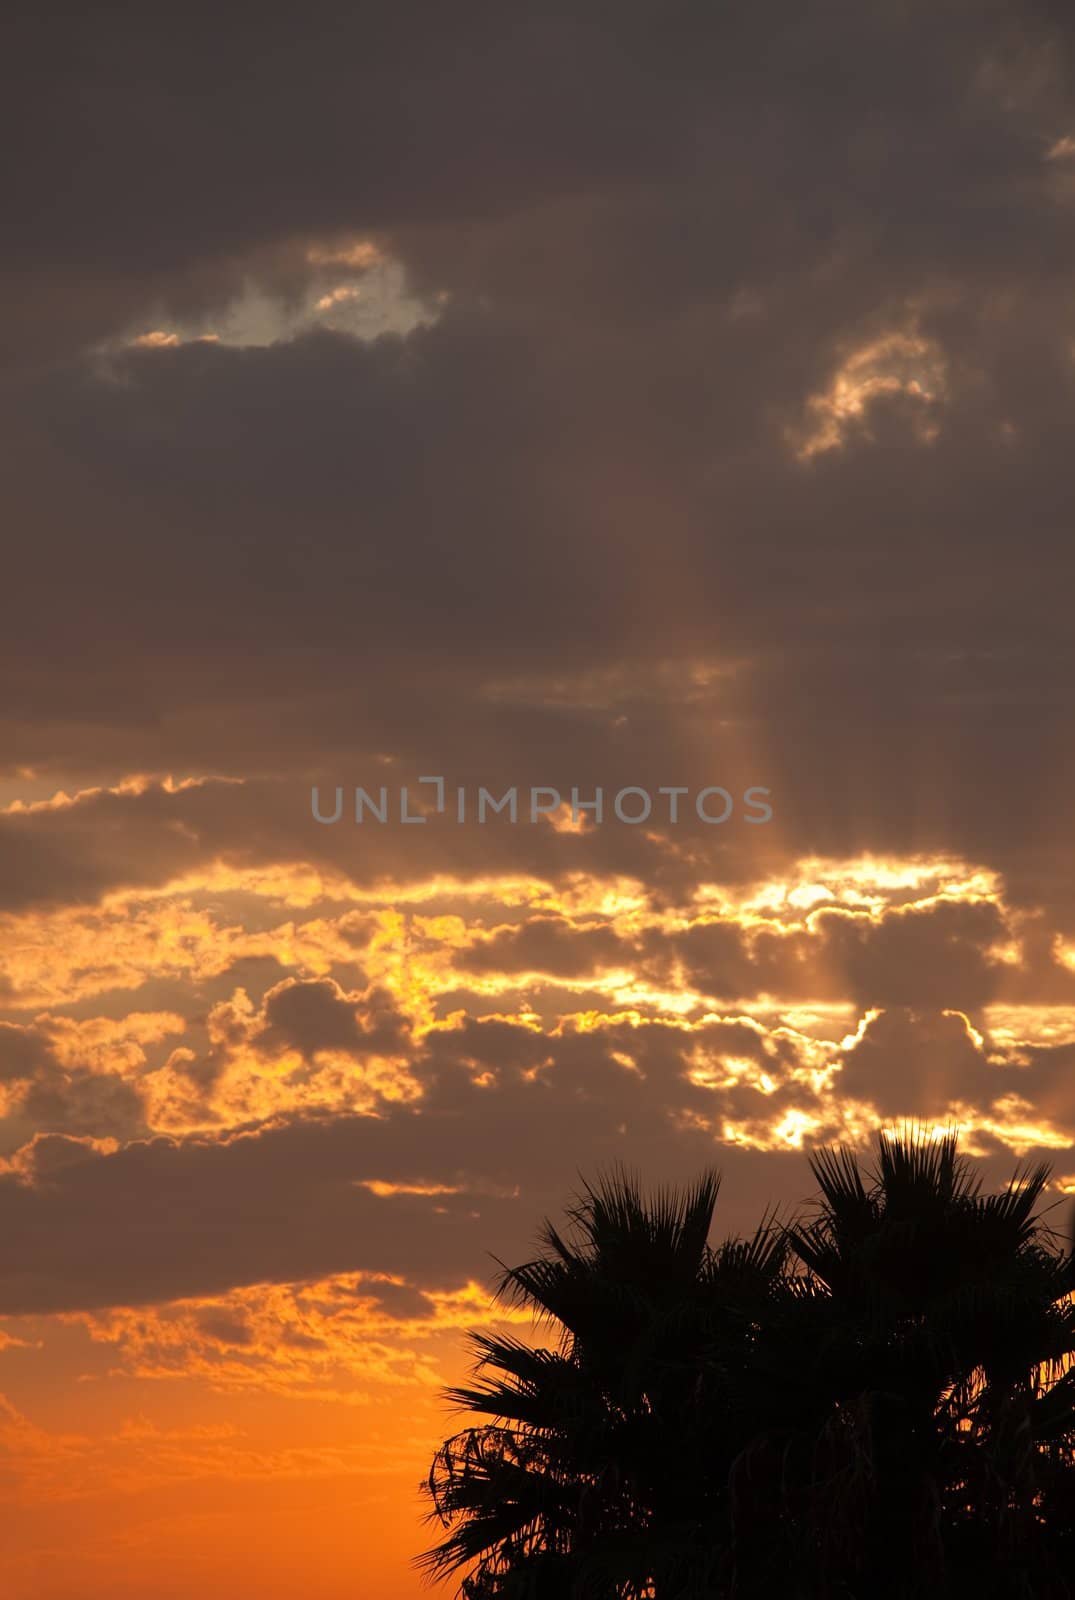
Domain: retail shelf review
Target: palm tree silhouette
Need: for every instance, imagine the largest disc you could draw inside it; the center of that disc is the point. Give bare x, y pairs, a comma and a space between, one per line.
875, 1401
938, 1329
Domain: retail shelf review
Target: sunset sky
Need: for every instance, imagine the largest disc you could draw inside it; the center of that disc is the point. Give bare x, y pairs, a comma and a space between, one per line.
638, 395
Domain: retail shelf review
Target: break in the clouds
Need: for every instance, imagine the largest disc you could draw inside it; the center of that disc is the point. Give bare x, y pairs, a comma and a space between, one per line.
603, 396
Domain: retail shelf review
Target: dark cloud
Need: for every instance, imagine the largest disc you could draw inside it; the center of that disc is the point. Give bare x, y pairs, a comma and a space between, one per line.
917, 1064
23, 1052
102, 1105
549, 945
660, 232
933, 955
51, 1097
316, 1016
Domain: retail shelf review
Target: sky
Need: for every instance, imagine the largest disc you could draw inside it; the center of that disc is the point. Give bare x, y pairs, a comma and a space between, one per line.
547, 400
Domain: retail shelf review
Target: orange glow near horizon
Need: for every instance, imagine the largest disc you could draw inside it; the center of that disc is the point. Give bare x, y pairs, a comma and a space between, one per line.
218, 1438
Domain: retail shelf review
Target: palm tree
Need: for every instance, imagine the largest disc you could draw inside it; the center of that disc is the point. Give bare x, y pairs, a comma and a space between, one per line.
595, 1476
876, 1401
942, 1339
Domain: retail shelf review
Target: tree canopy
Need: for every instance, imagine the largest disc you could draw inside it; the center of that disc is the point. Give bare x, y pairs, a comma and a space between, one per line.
875, 1400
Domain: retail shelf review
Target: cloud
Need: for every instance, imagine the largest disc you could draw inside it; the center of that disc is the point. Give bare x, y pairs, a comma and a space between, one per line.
317, 1016
334, 1339
672, 400
22, 1052
582, 466
500, 1115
